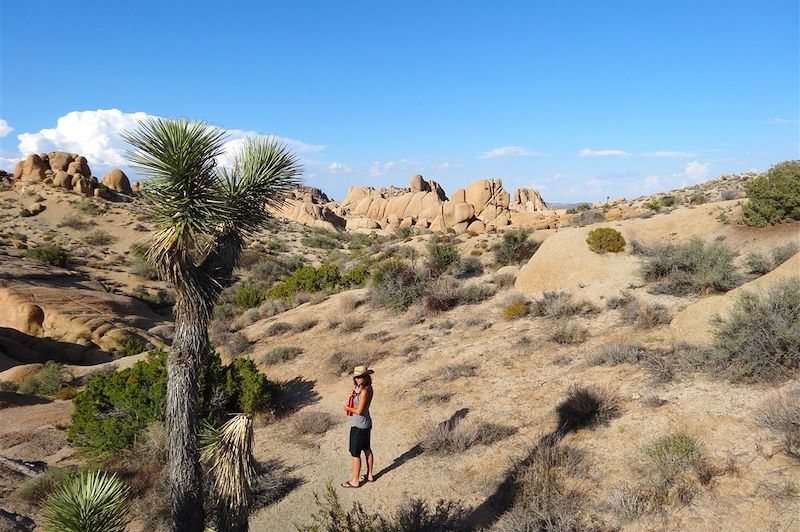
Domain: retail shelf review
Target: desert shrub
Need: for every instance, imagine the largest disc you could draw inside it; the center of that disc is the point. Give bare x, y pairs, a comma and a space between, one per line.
364, 355
140, 265
247, 296
52, 254
442, 295
558, 305
278, 328
515, 310
414, 515
605, 240
569, 332
355, 277
587, 218
516, 247
305, 324
47, 381
312, 422
470, 267
73, 222
36, 489
614, 354
780, 413
586, 406
441, 256
281, 354
307, 279
698, 198
690, 267
774, 196
476, 252
757, 263
644, 315
95, 501
475, 293
88, 206
352, 323
112, 409
654, 204
98, 237
320, 241
678, 449
133, 346
452, 372
450, 437
760, 339
781, 254
395, 284
504, 280
669, 200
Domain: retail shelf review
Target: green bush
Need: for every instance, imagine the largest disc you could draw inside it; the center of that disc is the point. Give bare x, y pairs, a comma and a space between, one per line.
37, 488
52, 254
133, 346
605, 239
516, 247
760, 340
654, 204
442, 256
94, 502
774, 196
690, 267
281, 354
395, 284
47, 381
247, 296
587, 218
355, 277
110, 412
307, 279
698, 198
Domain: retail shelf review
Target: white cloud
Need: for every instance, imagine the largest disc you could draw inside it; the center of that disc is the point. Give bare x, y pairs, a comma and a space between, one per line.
337, 167
508, 151
696, 170
96, 135
5, 129
378, 168
652, 181
783, 121
666, 154
586, 152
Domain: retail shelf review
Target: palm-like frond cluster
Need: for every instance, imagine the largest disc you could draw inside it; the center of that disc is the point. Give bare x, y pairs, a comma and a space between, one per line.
93, 502
192, 200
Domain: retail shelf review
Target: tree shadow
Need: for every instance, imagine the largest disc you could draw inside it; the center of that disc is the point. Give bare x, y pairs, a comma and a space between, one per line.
26, 349
273, 482
297, 393
12, 399
417, 449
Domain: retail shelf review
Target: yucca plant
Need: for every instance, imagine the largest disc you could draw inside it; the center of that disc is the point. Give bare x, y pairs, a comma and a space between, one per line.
92, 502
202, 215
229, 452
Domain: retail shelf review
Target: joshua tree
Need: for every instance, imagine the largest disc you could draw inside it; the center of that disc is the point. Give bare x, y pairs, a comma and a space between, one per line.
202, 215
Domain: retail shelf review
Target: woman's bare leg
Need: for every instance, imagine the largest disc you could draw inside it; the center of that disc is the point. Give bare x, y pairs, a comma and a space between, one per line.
369, 457
354, 478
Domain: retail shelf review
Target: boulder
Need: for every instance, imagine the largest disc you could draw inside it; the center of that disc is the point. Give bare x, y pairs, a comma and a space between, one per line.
509, 270
62, 180
82, 185
18, 168
103, 193
418, 184
476, 227
79, 167
36, 207
362, 223
60, 160
407, 222
527, 200
459, 196
137, 187
456, 213
33, 169
117, 180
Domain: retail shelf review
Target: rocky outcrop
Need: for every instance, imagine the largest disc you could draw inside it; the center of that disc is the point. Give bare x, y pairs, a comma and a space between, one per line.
117, 180
527, 200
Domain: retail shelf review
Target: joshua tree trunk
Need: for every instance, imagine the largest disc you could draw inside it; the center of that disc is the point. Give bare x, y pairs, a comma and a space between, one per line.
183, 370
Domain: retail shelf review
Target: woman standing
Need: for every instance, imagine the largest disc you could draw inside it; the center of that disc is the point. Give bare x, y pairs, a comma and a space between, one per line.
360, 425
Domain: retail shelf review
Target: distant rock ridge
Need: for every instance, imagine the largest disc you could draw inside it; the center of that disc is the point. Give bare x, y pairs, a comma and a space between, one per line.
482, 206
71, 171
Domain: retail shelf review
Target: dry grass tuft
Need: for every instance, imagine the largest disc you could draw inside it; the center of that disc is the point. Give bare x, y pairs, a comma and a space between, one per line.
780, 413
587, 406
312, 422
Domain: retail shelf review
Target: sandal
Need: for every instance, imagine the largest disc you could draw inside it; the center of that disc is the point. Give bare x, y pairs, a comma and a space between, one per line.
363, 478
346, 484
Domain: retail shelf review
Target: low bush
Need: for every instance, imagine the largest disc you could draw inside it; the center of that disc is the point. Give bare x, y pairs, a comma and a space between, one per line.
569, 332
780, 413
654, 204
278, 328
37, 488
470, 267
586, 406
281, 354
52, 254
690, 267
587, 218
516, 247
112, 409
758, 264
452, 372
321, 241
698, 198
140, 265
774, 196
325, 277
441, 257
73, 222
605, 240
98, 237
760, 339
614, 354
450, 437
559, 305
47, 381
644, 315
247, 296
412, 516
515, 310
312, 422
395, 284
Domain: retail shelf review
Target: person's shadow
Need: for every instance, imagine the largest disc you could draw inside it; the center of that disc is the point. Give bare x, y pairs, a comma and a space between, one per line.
417, 449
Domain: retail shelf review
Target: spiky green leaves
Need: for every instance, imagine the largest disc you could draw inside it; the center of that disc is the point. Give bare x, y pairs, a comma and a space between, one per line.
93, 502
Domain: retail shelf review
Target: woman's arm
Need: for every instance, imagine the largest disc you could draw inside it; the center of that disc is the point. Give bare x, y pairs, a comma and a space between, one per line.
364, 398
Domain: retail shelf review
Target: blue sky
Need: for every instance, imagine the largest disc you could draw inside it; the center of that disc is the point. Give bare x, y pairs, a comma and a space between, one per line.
581, 100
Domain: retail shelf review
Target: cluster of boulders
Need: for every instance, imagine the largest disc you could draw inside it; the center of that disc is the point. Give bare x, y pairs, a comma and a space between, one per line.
482, 206
71, 171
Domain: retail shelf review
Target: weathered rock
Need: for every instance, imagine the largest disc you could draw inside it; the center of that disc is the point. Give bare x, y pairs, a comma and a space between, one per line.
18, 169
117, 180
476, 227
36, 207
459, 196
137, 187
362, 223
79, 167
103, 193
456, 213
527, 200
418, 184
60, 160
62, 180
33, 169
82, 185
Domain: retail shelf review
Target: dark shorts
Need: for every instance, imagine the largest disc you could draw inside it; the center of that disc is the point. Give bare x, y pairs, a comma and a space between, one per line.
359, 441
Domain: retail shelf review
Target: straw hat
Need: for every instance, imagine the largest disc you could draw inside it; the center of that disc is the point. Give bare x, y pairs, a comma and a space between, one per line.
362, 370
